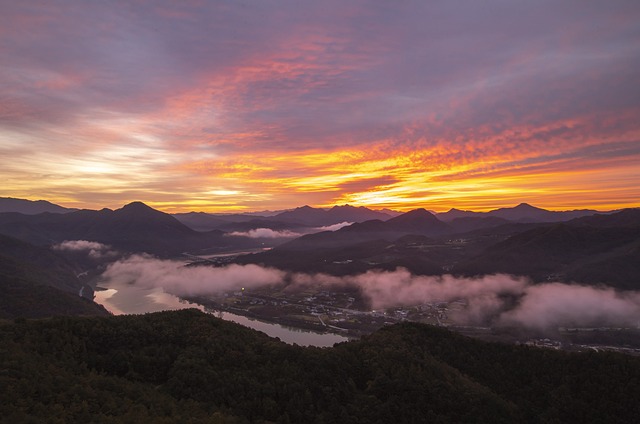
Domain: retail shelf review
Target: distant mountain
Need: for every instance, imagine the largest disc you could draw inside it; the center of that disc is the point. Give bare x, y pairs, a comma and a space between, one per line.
35, 283
349, 255
471, 223
524, 212
299, 218
623, 218
315, 217
136, 227
305, 215
454, 213
265, 213
201, 221
346, 213
419, 222
30, 207
259, 223
390, 212
608, 254
527, 213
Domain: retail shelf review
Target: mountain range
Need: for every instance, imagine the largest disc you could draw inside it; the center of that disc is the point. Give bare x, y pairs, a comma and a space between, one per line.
307, 216
134, 228
524, 240
601, 249
523, 212
30, 207
298, 218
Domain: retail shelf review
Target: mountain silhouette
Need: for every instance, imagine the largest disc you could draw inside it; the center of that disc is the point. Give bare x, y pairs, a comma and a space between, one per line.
30, 207
315, 217
135, 227
608, 253
417, 222
523, 212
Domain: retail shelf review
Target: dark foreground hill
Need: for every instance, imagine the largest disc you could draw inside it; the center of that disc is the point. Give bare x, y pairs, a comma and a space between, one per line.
35, 282
186, 366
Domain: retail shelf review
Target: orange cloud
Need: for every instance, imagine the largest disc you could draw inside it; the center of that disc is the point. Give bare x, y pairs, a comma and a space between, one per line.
219, 107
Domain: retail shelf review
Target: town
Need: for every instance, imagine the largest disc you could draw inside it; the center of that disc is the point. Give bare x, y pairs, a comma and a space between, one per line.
344, 312
322, 310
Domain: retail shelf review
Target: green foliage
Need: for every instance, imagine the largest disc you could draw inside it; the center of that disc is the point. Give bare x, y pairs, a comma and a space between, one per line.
36, 283
186, 366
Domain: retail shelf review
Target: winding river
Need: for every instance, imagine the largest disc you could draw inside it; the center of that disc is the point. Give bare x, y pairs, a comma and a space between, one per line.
128, 299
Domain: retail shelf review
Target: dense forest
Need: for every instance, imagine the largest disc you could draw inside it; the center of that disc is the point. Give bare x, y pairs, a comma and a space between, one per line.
187, 366
36, 282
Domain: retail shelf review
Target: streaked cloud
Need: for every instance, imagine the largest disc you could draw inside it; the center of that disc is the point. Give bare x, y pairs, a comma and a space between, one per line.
223, 106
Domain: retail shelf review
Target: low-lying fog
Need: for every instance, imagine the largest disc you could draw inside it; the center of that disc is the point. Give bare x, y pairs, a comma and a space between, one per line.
495, 300
491, 300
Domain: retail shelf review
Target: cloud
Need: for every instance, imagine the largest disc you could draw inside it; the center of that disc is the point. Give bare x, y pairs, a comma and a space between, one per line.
265, 233
94, 249
330, 99
269, 233
485, 297
504, 299
555, 304
176, 278
80, 245
496, 300
334, 227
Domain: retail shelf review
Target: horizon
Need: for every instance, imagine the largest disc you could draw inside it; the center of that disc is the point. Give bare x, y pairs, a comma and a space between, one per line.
225, 107
522, 203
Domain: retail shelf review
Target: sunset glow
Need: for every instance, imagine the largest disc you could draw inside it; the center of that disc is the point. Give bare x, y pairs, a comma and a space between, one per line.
229, 106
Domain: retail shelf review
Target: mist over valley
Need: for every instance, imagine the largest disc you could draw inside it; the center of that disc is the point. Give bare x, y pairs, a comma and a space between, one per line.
521, 269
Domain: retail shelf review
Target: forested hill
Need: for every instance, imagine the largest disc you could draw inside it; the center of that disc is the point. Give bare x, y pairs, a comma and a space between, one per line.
186, 366
36, 282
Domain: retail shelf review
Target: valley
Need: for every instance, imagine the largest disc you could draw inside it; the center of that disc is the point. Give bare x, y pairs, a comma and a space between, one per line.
329, 276
355, 307
326, 311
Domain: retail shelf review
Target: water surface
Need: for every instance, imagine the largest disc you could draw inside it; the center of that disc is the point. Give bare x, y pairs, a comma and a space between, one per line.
124, 299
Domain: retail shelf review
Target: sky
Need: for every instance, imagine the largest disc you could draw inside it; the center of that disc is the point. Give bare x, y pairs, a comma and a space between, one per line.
223, 106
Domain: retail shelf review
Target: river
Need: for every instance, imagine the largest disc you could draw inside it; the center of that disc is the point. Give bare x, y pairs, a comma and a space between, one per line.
125, 299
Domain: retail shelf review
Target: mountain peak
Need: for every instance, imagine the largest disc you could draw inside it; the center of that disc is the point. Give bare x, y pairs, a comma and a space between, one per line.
141, 210
420, 214
523, 206
418, 221
136, 206
454, 213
